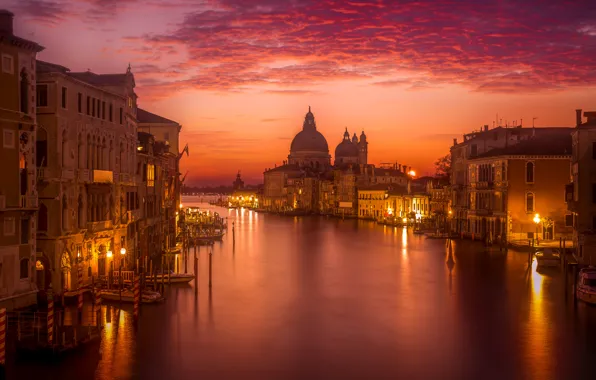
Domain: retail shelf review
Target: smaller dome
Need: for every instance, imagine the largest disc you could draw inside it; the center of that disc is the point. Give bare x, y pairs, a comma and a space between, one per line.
355, 139
346, 148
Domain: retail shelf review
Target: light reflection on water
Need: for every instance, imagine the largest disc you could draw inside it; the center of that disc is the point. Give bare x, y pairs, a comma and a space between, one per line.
309, 298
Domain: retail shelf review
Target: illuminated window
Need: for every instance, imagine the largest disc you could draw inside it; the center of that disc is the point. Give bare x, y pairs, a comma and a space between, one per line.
150, 175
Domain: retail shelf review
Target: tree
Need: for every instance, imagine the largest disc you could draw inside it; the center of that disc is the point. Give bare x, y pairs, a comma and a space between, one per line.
443, 166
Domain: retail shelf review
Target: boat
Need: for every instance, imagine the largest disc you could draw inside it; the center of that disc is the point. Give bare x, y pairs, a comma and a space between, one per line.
147, 296
548, 257
586, 285
175, 278
418, 232
437, 235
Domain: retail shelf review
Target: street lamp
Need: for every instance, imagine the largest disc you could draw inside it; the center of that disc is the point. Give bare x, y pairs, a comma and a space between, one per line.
536, 220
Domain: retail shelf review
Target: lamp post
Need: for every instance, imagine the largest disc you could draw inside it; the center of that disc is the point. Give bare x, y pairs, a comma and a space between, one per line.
536, 220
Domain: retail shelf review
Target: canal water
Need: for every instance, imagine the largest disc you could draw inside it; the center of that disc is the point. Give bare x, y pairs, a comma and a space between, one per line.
323, 298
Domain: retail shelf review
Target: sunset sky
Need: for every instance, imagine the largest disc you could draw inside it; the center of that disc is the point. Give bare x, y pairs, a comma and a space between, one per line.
239, 75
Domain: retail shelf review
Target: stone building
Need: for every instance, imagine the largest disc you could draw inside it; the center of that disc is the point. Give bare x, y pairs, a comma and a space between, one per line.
580, 194
352, 151
18, 192
515, 192
165, 157
86, 160
309, 147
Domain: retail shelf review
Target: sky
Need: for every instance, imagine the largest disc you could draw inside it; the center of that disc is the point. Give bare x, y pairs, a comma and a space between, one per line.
239, 75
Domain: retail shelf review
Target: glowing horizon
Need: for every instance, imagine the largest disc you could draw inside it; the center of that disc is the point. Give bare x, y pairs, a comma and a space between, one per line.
239, 75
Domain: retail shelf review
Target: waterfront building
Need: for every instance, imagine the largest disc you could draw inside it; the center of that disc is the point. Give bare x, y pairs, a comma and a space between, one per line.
580, 194
18, 192
162, 151
241, 196
86, 160
440, 201
473, 145
372, 202
515, 191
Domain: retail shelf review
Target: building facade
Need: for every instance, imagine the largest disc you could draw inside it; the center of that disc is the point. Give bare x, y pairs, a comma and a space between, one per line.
86, 161
515, 192
18, 192
580, 194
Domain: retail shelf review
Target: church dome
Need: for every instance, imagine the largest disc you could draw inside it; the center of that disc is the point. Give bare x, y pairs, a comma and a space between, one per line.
309, 139
346, 148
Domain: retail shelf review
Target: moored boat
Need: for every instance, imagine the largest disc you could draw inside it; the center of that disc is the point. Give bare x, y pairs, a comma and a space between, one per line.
127, 296
548, 257
586, 285
175, 278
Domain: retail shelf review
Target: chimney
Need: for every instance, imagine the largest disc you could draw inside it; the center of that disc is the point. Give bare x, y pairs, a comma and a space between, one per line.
485, 128
6, 22
578, 118
454, 142
409, 169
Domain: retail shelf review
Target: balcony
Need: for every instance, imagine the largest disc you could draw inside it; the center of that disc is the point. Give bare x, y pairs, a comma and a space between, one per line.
484, 212
68, 174
569, 192
123, 177
99, 226
484, 185
83, 175
103, 176
43, 174
28, 201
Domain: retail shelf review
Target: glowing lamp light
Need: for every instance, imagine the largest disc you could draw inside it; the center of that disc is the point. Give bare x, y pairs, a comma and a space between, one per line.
418, 216
537, 218
412, 173
389, 211
181, 205
109, 254
404, 220
450, 212
123, 251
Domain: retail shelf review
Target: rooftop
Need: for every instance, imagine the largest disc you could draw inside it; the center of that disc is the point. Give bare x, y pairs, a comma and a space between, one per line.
151, 118
556, 142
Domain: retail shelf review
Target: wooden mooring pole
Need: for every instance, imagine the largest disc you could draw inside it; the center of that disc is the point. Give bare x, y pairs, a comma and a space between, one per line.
210, 265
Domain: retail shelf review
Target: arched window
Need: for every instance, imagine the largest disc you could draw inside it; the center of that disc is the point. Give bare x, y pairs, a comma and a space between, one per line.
64, 149
80, 212
42, 218
529, 172
24, 92
24, 268
530, 202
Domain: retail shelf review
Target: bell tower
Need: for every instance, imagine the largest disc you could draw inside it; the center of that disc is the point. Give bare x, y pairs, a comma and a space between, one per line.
363, 150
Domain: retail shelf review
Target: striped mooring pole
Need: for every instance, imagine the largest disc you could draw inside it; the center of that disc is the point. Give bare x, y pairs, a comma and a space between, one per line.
50, 318
2, 337
80, 300
137, 297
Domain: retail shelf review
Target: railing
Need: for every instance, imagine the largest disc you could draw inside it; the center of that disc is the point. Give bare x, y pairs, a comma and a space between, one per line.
484, 212
124, 177
28, 201
127, 276
484, 185
68, 174
99, 226
569, 190
43, 174
84, 175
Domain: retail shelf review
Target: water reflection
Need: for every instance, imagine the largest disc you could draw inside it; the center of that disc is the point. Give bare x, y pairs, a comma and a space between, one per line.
310, 298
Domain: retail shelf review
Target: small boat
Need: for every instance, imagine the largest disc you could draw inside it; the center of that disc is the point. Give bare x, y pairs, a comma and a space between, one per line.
548, 258
586, 285
437, 236
147, 296
418, 232
175, 278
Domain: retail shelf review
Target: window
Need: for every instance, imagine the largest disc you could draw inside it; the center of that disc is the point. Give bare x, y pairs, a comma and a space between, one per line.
8, 137
25, 231
530, 202
80, 102
88, 105
120, 115
98, 108
24, 269
473, 150
93, 107
529, 172
42, 95
111, 114
24, 92
9, 227
7, 64
64, 96
150, 175
103, 110
569, 220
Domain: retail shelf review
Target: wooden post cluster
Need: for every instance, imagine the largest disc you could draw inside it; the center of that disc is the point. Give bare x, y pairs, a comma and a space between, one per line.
50, 318
137, 296
2, 337
80, 297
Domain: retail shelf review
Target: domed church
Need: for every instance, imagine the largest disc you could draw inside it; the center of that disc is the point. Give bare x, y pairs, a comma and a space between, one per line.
309, 147
352, 151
